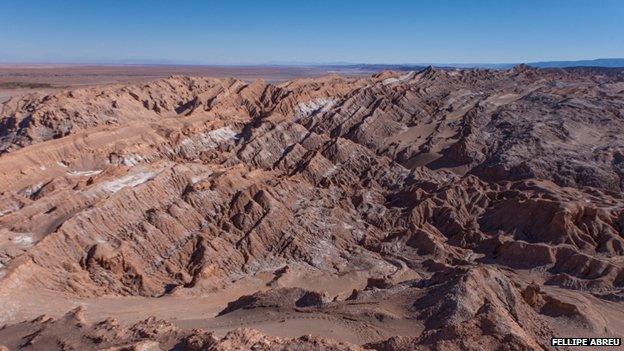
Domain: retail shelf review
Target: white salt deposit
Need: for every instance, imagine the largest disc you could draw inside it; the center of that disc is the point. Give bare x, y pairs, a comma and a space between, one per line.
132, 159
83, 173
25, 240
214, 138
402, 78
209, 140
130, 180
199, 178
28, 192
8, 209
222, 134
305, 109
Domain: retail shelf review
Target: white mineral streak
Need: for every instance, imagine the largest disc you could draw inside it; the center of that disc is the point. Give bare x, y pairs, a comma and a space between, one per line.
305, 109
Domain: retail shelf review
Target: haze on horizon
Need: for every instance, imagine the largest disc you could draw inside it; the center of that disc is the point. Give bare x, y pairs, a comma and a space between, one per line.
251, 32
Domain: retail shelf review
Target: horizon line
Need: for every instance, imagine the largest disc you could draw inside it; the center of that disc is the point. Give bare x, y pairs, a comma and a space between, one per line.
148, 62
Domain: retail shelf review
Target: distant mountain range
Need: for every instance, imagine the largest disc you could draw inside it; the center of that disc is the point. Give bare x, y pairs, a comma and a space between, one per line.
603, 62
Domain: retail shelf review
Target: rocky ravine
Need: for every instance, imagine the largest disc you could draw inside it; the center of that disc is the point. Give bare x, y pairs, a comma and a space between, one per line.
440, 209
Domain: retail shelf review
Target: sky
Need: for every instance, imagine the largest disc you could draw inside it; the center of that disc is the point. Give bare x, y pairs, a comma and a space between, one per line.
309, 31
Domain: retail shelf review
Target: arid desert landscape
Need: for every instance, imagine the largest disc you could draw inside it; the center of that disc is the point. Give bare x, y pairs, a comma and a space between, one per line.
433, 209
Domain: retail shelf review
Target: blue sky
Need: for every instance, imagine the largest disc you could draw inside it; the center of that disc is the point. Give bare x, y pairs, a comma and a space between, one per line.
272, 31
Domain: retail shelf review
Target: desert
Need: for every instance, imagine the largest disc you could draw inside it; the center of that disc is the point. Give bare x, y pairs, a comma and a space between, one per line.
431, 209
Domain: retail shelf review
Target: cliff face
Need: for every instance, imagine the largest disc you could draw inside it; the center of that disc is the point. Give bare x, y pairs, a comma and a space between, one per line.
484, 206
